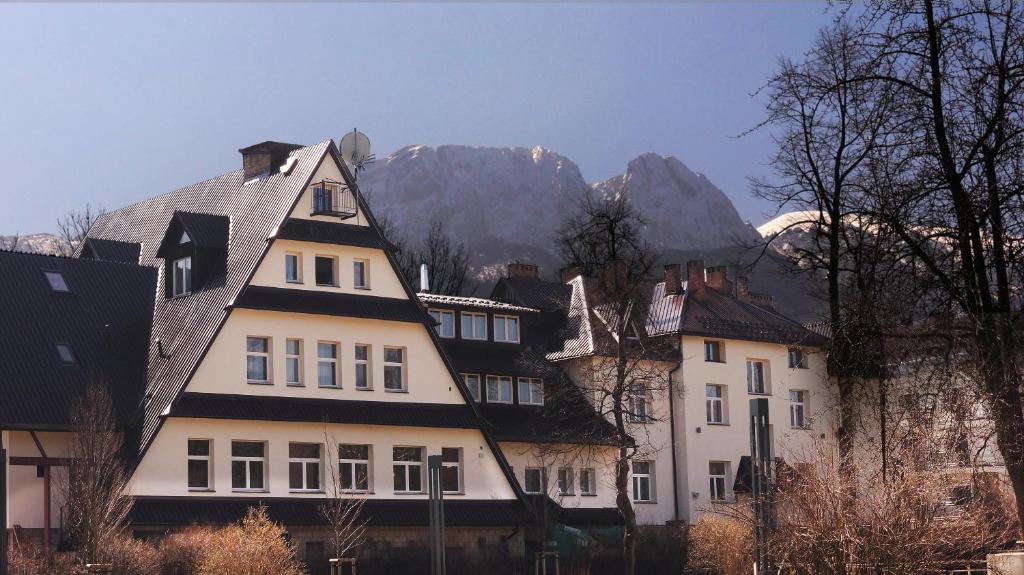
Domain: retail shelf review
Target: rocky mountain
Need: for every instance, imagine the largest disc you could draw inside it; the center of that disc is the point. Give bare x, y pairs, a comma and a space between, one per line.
39, 243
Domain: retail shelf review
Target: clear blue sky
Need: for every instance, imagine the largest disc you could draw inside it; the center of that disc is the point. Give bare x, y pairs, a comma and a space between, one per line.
112, 103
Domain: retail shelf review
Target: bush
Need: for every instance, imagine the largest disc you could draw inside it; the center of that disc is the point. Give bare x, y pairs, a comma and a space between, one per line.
25, 559
181, 553
256, 546
719, 544
130, 556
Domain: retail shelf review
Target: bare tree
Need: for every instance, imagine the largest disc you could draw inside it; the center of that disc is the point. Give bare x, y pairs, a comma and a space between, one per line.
343, 508
446, 259
74, 225
96, 488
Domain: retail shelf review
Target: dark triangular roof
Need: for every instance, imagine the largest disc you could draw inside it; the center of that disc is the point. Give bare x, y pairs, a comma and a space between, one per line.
534, 293
110, 251
204, 230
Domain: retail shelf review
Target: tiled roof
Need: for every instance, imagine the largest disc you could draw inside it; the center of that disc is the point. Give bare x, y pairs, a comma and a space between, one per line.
471, 302
278, 408
579, 333
564, 423
107, 331
332, 233
497, 359
534, 293
204, 231
547, 509
179, 511
110, 251
329, 303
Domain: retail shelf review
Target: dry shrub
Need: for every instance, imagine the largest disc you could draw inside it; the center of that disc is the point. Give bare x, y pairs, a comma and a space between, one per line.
25, 559
130, 556
182, 552
720, 544
256, 546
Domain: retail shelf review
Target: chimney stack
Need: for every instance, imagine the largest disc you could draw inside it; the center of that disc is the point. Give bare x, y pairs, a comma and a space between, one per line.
673, 280
569, 273
263, 158
695, 275
718, 278
424, 279
742, 288
518, 270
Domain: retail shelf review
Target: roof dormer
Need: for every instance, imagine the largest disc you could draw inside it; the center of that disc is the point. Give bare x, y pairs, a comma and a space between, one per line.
192, 248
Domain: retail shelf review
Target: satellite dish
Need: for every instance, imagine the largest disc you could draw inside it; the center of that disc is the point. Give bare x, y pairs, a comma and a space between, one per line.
355, 150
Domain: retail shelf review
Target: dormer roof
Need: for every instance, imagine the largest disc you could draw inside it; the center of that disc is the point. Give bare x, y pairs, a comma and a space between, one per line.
203, 231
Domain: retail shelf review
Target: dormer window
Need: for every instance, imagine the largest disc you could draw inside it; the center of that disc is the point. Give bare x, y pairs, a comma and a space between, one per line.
182, 276
184, 238
506, 328
56, 281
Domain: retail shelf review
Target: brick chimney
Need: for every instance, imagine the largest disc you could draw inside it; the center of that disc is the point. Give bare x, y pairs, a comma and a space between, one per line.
718, 278
263, 158
568, 273
518, 270
616, 276
742, 288
673, 280
695, 275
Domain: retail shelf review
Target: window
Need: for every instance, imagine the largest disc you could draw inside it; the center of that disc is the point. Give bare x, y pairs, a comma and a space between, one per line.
716, 471
326, 271
65, 354
506, 328
755, 377
642, 481
531, 391
533, 480
797, 359
248, 465
184, 238
451, 472
473, 383
326, 197
361, 274
304, 466
362, 366
474, 325
588, 484
199, 464
182, 276
565, 481
257, 359
499, 389
326, 364
638, 400
445, 322
798, 408
293, 268
56, 281
408, 465
394, 369
716, 413
713, 351
354, 464
293, 361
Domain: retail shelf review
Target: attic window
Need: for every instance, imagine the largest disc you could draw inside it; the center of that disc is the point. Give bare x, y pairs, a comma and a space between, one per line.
184, 238
64, 351
57, 283
182, 276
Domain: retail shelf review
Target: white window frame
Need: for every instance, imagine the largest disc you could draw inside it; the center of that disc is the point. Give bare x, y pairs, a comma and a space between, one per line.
475, 385
499, 379
297, 359
473, 316
719, 345
208, 458
798, 409
540, 479
564, 481
185, 272
588, 487
534, 387
334, 270
439, 315
765, 387
408, 468
327, 360
457, 465
504, 335
298, 267
714, 402
366, 364
365, 264
797, 358
248, 460
264, 355
638, 479
305, 463
718, 484
353, 474
395, 364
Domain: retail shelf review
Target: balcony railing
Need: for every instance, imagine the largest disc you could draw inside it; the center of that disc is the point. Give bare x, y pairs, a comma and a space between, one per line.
333, 199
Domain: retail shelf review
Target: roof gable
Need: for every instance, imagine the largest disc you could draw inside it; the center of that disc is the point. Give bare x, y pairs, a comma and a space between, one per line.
110, 250
201, 230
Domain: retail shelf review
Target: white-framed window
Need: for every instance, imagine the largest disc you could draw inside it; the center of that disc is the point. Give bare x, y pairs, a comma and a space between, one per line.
533, 480
639, 404
293, 267
531, 391
474, 325
327, 364
182, 280
199, 465
304, 466
445, 322
797, 358
756, 376
717, 471
588, 482
473, 384
248, 465
354, 467
451, 469
293, 361
564, 481
506, 328
361, 274
715, 403
797, 408
56, 281
257, 359
326, 268
362, 366
408, 467
713, 351
643, 481
499, 389
394, 369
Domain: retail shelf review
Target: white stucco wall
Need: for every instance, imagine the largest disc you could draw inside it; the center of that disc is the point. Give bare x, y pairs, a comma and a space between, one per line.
329, 170
383, 281
25, 501
552, 457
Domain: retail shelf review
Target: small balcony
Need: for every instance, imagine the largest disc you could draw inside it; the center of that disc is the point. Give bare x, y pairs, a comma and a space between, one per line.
332, 198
